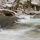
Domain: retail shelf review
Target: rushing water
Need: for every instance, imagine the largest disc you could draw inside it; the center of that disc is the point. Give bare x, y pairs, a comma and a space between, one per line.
24, 29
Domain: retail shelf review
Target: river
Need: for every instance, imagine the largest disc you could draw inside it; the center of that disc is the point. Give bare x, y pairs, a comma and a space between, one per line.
25, 28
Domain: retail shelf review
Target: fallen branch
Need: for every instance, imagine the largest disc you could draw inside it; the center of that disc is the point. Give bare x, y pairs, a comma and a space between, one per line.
33, 12
8, 11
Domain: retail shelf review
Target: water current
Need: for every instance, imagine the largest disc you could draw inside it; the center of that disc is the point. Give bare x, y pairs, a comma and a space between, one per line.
25, 28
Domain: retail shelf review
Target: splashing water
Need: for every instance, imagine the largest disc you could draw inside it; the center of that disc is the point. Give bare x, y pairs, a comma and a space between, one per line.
23, 19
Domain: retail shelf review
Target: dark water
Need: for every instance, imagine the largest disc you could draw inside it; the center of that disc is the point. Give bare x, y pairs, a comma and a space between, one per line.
6, 21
